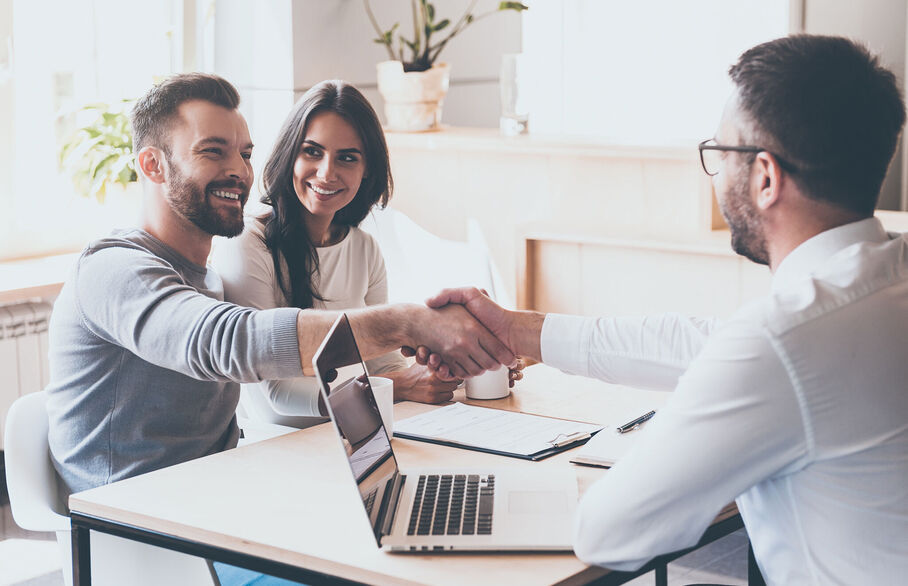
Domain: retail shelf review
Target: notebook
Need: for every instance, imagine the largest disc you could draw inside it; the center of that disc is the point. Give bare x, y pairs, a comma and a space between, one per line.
437, 509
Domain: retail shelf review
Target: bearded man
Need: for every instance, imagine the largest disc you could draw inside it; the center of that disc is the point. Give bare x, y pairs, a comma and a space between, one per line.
796, 406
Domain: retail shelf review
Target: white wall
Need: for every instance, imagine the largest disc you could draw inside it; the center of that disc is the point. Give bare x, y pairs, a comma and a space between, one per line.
274, 51
881, 25
7, 116
648, 72
654, 71
645, 72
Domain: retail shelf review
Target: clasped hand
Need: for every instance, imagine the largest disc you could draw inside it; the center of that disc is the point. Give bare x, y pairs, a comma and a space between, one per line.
468, 336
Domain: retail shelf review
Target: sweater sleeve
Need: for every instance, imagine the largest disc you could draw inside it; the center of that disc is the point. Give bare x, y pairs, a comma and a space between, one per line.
378, 295
247, 269
149, 309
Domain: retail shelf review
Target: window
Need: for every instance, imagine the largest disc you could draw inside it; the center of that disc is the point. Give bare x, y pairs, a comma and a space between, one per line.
56, 56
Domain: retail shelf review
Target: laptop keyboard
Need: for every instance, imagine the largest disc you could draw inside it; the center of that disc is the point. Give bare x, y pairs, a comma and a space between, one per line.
369, 501
449, 504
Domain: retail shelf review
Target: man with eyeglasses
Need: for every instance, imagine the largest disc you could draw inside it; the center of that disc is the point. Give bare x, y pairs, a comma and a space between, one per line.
797, 406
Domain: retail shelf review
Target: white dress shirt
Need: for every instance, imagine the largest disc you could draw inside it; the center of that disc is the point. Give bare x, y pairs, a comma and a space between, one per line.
351, 275
797, 407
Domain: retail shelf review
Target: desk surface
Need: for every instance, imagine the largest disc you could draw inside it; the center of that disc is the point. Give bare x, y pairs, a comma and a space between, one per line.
292, 498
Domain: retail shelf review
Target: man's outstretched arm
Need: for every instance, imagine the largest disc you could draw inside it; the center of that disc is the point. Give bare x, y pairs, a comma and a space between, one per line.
458, 340
648, 352
519, 330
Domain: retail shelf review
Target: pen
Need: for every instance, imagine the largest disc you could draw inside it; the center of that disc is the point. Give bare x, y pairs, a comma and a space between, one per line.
634, 424
569, 439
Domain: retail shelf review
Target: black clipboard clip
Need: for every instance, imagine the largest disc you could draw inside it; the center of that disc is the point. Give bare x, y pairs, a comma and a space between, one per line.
566, 439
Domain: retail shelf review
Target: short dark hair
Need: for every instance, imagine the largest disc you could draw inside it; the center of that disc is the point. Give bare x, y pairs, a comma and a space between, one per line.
285, 232
155, 111
826, 106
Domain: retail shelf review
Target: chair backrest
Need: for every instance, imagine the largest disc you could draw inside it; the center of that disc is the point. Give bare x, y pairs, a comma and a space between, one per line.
38, 503
35, 490
420, 264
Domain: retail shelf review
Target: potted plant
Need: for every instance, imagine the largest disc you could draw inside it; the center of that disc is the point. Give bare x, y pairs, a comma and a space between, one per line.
98, 154
414, 85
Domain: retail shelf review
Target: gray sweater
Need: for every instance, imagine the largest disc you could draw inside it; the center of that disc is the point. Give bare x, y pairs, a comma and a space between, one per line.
145, 357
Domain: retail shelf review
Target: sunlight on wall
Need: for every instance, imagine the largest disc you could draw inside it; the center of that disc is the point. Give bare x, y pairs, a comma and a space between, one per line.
646, 72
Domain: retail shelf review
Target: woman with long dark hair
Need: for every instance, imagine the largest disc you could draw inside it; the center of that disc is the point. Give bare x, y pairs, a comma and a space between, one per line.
328, 168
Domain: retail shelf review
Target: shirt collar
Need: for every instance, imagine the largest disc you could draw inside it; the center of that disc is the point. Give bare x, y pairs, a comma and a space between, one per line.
809, 254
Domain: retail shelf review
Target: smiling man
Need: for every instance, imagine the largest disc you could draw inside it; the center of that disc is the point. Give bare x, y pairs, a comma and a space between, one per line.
145, 355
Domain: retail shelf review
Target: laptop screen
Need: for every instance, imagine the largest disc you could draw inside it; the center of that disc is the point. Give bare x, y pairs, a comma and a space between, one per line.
344, 384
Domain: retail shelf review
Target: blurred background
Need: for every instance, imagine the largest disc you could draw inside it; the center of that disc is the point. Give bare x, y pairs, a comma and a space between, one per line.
645, 73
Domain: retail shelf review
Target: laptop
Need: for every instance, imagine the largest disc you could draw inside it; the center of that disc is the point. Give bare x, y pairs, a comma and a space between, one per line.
437, 509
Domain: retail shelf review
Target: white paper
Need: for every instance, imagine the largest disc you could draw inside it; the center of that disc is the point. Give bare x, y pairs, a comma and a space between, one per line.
492, 429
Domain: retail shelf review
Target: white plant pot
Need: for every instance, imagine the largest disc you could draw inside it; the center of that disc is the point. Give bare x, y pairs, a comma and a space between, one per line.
413, 100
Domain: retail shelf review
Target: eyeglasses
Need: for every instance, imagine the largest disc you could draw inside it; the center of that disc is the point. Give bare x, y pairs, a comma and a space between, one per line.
711, 156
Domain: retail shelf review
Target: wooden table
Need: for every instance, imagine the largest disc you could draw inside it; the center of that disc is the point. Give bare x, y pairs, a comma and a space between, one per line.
288, 506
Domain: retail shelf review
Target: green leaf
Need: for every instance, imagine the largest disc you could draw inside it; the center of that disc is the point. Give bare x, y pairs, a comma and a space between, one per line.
126, 175
100, 152
518, 6
430, 10
387, 37
441, 25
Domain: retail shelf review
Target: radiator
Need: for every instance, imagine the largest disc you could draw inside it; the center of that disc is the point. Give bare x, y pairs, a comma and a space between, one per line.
23, 352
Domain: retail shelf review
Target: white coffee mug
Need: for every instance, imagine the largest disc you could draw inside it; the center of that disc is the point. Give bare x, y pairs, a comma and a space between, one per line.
383, 391
492, 384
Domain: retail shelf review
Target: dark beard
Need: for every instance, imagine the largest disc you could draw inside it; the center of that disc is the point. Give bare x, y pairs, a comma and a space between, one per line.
747, 237
190, 201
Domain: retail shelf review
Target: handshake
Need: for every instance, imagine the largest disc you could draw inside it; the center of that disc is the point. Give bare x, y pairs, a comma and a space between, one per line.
464, 333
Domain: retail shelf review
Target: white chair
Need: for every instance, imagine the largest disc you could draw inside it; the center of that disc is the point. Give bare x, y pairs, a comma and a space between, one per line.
34, 488
420, 264
38, 503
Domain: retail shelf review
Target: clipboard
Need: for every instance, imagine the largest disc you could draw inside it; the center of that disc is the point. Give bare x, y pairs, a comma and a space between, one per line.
495, 431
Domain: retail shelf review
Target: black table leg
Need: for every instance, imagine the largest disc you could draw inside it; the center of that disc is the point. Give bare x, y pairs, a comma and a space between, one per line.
81, 556
754, 577
661, 570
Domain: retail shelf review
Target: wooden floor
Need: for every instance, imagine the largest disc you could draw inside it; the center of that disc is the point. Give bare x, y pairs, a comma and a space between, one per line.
32, 559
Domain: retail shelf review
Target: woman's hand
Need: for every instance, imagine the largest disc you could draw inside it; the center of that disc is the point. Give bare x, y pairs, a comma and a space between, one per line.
418, 383
516, 373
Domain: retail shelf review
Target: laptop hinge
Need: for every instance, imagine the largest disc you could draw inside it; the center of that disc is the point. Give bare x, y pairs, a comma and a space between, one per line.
389, 511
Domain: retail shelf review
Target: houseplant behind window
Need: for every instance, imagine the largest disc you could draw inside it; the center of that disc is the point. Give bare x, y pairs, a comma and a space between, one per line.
98, 154
412, 83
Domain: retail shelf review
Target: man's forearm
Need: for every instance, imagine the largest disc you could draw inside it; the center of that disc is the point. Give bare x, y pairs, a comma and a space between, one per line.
378, 330
525, 332
383, 328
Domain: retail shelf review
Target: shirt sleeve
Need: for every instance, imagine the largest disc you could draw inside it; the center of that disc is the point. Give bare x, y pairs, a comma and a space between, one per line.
645, 352
246, 267
149, 309
733, 421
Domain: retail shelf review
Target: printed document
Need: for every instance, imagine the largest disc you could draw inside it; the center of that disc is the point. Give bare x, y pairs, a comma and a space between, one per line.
496, 430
